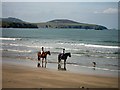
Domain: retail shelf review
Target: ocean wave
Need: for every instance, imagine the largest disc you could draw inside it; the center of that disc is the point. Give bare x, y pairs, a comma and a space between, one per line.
110, 41
106, 69
101, 46
11, 44
97, 56
98, 68
90, 45
98, 46
22, 51
63, 45
24, 45
10, 38
94, 52
74, 51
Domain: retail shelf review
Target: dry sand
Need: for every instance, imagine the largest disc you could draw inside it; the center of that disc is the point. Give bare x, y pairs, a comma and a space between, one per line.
17, 76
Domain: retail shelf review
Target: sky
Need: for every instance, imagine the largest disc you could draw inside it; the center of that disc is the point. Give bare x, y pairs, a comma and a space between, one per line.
101, 13
60, 0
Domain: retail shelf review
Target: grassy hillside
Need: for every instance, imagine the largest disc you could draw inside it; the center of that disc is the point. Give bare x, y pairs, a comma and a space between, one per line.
69, 24
15, 23
57, 23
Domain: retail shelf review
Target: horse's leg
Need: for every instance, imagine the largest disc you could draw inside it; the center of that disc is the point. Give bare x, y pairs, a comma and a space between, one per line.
38, 62
59, 59
45, 62
59, 65
42, 61
65, 64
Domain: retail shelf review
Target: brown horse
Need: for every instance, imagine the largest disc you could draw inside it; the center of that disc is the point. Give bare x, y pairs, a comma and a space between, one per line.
43, 56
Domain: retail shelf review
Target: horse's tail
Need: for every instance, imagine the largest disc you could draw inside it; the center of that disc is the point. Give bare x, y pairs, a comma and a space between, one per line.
59, 57
39, 54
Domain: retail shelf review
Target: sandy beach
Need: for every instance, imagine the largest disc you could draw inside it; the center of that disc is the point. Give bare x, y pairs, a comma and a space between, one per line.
21, 76
83, 35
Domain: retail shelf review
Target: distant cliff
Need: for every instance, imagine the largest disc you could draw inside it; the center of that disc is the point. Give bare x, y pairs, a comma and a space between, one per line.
15, 23
64, 23
57, 23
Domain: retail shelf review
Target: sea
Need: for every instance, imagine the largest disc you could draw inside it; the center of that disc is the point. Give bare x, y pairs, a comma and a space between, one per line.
85, 46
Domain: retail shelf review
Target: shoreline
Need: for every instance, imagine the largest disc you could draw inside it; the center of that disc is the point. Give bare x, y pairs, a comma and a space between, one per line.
18, 75
79, 69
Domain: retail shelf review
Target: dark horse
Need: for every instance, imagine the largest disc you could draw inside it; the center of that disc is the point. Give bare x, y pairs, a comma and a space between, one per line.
63, 57
43, 56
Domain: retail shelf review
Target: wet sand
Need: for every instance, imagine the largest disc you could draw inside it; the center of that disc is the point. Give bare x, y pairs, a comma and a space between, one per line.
21, 76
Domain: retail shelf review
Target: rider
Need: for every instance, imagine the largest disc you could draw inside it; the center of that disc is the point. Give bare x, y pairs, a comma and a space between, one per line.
42, 51
39, 55
63, 52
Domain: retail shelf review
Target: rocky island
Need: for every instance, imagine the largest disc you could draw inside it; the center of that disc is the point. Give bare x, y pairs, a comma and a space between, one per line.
57, 23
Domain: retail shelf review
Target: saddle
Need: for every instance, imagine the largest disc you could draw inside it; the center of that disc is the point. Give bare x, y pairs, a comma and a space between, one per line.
62, 56
41, 55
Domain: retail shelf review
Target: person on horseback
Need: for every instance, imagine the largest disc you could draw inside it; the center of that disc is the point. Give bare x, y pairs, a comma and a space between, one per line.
63, 52
42, 51
63, 56
40, 54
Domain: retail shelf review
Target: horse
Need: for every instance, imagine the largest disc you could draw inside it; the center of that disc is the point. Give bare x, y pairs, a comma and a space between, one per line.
63, 57
43, 56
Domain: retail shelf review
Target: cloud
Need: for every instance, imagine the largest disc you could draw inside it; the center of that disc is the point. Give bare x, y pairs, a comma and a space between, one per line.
110, 10
107, 11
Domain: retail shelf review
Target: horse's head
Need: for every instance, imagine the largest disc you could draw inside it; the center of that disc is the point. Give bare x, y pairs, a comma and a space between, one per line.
69, 54
48, 52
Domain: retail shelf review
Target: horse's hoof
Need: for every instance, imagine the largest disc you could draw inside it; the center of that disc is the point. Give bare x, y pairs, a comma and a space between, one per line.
65, 69
38, 65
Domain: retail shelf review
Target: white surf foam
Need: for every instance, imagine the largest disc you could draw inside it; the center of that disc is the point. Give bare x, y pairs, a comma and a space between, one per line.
1, 38
89, 45
101, 46
105, 69
28, 51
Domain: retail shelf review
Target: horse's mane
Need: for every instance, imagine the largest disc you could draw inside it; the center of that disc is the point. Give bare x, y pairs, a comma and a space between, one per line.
46, 51
67, 53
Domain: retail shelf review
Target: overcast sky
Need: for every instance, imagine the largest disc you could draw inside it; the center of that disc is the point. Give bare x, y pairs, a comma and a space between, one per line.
60, 0
102, 13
